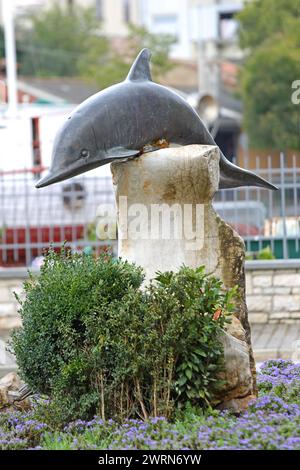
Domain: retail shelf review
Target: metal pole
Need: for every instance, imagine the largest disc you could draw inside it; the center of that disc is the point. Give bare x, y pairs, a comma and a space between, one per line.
10, 56
283, 205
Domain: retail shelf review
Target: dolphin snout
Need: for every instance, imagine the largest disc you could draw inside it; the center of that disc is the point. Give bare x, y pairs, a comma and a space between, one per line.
48, 179
82, 165
51, 178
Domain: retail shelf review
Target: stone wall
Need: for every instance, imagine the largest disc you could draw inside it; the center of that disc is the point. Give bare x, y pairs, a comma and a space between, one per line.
273, 291
272, 287
11, 281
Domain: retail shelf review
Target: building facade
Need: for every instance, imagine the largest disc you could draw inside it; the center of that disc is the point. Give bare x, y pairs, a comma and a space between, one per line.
189, 21
206, 38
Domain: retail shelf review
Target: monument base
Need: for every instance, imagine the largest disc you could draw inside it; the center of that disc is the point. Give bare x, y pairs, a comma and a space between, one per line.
166, 220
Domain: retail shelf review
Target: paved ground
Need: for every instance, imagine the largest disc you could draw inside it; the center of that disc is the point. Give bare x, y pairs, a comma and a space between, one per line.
273, 341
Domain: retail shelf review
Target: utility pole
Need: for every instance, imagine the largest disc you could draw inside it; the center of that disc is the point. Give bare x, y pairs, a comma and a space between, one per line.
70, 5
10, 57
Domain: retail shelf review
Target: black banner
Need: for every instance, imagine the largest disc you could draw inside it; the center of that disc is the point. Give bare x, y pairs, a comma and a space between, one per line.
136, 459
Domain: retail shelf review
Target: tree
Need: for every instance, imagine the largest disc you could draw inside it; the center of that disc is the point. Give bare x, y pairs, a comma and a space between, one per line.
57, 39
115, 67
1, 43
270, 35
261, 20
64, 41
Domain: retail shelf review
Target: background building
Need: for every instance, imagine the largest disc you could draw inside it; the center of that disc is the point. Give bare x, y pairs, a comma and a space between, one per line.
205, 52
190, 21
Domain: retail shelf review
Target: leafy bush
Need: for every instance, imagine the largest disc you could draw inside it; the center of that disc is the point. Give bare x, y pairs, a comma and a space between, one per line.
264, 254
96, 342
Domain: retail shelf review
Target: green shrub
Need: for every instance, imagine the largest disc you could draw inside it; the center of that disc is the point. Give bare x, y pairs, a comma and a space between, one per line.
264, 254
96, 342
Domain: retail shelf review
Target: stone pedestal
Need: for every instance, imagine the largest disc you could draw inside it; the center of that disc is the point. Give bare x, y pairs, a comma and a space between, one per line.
179, 183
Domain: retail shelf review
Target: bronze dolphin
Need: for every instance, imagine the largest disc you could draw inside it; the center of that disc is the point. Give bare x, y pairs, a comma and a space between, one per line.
118, 122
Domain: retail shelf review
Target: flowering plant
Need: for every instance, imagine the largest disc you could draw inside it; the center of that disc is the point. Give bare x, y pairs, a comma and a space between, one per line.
271, 422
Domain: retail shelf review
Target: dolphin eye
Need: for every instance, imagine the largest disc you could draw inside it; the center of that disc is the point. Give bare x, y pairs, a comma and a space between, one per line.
84, 153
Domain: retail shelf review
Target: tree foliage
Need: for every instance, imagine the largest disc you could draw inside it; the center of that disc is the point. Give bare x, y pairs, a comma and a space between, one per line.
262, 20
58, 41
116, 66
1, 42
270, 34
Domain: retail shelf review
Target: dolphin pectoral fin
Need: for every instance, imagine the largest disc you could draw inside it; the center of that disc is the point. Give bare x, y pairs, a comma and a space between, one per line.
232, 176
122, 152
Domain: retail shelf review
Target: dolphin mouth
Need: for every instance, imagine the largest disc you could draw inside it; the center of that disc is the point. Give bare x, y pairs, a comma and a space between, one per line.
50, 179
61, 175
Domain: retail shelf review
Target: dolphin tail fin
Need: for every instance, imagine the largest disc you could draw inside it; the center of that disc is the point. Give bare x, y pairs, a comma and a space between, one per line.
232, 176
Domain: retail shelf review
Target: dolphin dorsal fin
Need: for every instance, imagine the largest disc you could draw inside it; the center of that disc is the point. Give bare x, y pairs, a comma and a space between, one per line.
140, 69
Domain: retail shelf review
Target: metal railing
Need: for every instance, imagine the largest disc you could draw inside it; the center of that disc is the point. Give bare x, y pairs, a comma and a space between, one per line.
31, 219
267, 218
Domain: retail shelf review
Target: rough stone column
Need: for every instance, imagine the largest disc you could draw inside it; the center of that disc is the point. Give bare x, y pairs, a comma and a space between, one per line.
180, 179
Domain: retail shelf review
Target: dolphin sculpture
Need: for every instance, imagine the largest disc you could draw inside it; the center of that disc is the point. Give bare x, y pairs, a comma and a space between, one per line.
124, 120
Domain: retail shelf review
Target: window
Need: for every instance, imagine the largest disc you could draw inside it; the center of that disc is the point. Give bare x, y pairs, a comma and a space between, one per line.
227, 26
165, 24
99, 10
126, 10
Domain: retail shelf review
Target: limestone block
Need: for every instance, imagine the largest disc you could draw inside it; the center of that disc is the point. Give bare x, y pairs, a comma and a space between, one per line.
258, 317
249, 284
171, 182
285, 271
158, 178
11, 383
236, 405
18, 290
263, 272
13, 283
289, 321
259, 303
286, 303
262, 281
7, 309
277, 290
279, 315
287, 280
257, 290
9, 323
235, 329
295, 315
5, 294
237, 374
11, 380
